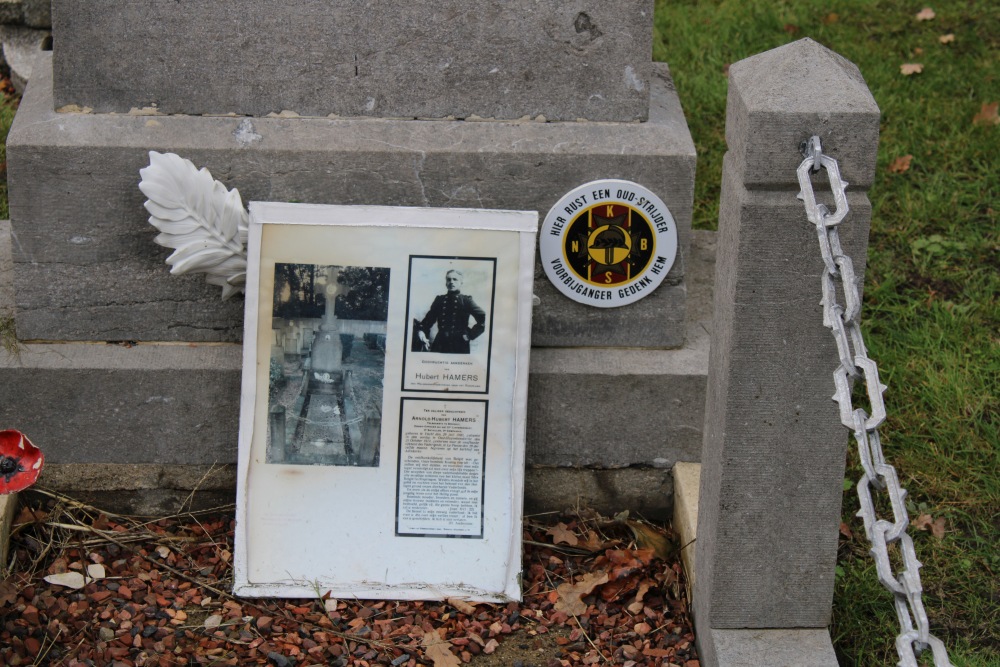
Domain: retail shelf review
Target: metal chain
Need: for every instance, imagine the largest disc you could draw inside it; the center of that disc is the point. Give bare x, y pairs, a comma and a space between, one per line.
855, 364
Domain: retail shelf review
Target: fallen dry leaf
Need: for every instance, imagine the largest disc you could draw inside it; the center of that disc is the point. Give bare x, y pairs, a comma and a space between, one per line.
462, 605
926, 14
845, 530
593, 542
96, 571
562, 535
926, 522
213, 622
570, 595
67, 579
650, 537
8, 592
439, 651
987, 114
831, 18
947, 39
900, 164
911, 68
643, 589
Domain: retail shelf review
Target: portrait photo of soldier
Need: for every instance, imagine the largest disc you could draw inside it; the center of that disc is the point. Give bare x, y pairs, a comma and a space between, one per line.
453, 320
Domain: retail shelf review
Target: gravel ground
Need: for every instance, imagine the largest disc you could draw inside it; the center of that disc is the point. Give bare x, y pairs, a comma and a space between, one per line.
596, 591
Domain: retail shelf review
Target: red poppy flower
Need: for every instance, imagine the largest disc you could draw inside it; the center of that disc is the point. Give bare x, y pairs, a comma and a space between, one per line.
20, 462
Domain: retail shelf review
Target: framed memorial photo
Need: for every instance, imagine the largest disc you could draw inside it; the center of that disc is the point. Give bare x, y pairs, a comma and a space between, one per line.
382, 420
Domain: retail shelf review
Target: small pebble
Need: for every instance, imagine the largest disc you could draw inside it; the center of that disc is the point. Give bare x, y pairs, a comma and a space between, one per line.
279, 660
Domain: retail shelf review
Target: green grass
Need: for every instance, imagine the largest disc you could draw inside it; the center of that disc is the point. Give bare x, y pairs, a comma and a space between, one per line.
931, 316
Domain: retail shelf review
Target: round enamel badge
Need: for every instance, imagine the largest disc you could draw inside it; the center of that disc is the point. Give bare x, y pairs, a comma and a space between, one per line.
608, 243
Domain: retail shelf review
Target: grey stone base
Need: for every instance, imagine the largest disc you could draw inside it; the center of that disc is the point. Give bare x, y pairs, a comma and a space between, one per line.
98, 403
798, 647
87, 267
178, 405
146, 419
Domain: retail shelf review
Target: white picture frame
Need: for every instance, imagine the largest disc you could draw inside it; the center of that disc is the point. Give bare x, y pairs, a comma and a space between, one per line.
383, 402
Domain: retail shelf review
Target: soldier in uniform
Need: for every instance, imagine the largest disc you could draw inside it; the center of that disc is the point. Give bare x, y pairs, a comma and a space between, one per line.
451, 313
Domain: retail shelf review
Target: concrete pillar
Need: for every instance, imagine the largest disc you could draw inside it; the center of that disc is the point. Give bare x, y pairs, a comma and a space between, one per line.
774, 451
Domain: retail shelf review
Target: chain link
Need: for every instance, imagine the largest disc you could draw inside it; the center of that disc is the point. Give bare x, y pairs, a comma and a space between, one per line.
855, 364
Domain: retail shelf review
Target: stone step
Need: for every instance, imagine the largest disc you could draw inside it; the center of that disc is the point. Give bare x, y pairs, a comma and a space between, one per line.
585, 59
88, 270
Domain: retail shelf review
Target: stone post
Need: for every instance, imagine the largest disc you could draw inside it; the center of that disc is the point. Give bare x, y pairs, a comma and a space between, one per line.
327, 349
774, 451
276, 417
289, 337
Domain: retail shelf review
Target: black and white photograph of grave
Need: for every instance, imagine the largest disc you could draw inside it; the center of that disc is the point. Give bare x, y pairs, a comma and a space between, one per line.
327, 364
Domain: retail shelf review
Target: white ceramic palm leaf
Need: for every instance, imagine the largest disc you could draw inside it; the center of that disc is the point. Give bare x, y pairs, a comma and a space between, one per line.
199, 218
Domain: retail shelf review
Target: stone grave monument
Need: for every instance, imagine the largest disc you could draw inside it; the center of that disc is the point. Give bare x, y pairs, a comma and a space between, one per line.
129, 377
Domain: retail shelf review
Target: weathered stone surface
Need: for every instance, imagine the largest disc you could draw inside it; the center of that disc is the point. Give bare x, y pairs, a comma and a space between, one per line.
614, 408
773, 99
420, 59
774, 449
21, 46
656, 321
647, 491
6, 271
158, 489
151, 489
11, 11
655, 399
778, 647
37, 13
94, 403
87, 267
